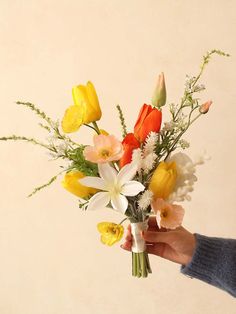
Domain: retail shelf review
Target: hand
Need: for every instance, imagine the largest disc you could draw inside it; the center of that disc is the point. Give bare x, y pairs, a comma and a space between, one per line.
175, 245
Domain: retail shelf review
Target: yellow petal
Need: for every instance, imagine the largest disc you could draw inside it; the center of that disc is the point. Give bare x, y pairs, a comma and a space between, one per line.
86, 96
93, 99
163, 180
79, 94
72, 119
110, 232
71, 184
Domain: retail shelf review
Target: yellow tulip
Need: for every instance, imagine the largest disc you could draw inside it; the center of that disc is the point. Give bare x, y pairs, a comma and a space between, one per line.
86, 108
110, 232
163, 180
71, 184
86, 97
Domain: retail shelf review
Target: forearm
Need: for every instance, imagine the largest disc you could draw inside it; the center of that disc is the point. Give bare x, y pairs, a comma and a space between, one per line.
214, 261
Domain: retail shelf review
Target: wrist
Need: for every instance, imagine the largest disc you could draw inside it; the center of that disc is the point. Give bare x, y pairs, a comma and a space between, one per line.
191, 248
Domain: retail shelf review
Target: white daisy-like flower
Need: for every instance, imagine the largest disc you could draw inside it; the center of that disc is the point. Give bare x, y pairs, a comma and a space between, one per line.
145, 199
115, 185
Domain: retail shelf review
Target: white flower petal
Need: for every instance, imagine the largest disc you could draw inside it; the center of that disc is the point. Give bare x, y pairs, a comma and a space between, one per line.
119, 202
127, 173
132, 188
93, 182
99, 201
107, 172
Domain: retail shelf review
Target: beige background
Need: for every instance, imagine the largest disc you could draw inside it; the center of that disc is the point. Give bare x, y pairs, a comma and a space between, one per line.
51, 259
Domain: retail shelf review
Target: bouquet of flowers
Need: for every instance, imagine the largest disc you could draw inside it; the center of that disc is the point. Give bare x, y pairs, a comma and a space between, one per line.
137, 175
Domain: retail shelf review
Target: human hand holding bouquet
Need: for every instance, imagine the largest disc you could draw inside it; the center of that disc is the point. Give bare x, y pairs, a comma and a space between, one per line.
138, 175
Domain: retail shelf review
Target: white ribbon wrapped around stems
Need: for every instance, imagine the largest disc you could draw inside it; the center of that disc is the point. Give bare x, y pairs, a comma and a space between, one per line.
138, 243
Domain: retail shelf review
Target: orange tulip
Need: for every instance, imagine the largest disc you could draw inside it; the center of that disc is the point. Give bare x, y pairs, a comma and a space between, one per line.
149, 120
129, 144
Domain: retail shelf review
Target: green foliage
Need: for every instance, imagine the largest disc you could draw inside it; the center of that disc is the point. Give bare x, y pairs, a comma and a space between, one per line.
80, 163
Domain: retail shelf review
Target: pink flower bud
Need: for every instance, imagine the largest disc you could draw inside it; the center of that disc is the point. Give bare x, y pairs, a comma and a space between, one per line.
159, 95
204, 108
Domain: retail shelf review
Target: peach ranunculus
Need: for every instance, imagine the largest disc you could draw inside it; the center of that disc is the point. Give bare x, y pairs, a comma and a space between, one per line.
106, 148
149, 120
168, 215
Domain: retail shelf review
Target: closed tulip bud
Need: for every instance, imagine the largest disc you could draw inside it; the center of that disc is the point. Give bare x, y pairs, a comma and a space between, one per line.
71, 184
204, 108
159, 95
86, 97
86, 108
163, 180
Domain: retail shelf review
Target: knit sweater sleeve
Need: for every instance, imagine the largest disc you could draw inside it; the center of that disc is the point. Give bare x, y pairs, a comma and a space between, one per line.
214, 262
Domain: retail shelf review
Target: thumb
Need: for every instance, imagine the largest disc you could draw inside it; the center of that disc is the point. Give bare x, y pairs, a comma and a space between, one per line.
158, 236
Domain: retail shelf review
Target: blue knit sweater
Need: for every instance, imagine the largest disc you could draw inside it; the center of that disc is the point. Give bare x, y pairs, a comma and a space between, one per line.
214, 261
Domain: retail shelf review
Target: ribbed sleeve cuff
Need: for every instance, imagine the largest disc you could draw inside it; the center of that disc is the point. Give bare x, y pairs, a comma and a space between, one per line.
202, 265
214, 262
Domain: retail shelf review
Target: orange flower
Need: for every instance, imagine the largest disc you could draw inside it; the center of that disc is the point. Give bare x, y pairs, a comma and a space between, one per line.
129, 144
149, 119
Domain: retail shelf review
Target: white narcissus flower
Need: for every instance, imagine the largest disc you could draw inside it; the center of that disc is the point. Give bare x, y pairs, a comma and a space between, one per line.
115, 185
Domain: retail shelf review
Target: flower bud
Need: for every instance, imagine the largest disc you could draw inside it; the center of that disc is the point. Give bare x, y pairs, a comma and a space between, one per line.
163, 180
204, 108
72, 185
159, 95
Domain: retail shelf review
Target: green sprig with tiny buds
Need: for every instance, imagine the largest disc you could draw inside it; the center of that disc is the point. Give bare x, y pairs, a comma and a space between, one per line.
122, 121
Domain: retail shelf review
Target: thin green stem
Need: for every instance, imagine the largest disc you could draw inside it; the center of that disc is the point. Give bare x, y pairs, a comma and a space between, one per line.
90, 126
45, 185
96, 127
122, 221
27, 139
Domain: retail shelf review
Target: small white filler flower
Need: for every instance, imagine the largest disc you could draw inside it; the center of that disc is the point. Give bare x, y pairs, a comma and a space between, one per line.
115, 185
